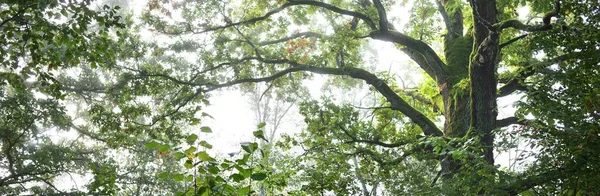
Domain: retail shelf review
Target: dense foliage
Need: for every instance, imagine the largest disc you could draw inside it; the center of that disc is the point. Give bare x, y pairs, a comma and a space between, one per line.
114, 96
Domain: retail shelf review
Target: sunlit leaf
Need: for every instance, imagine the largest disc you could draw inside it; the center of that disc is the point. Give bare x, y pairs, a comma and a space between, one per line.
191, 138
206, 129
205, 144
203, 156
151, 145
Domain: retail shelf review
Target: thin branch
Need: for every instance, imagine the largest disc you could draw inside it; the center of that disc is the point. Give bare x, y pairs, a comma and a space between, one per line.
291, 3
372, 108
294, 36
15, 15
265, 92
510, 87
51, 185
437, 176
534, 180
372, 142
418, 97
540, 67
502, 45
508, 121
444, 14
515, 23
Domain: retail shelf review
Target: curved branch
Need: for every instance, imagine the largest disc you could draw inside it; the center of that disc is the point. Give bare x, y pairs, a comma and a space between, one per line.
334, 9
291, 3
514, 23
383, 22
418, 51
397, 103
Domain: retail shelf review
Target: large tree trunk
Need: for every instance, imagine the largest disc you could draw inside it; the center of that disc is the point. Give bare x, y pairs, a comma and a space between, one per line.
470, 107
482, 72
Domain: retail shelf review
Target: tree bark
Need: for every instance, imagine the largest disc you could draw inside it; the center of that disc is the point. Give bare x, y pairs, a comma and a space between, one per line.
482, 74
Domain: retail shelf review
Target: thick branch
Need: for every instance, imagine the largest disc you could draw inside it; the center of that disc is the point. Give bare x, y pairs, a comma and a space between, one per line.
419, 51
383, 22
510, 87
378, 143
396, 102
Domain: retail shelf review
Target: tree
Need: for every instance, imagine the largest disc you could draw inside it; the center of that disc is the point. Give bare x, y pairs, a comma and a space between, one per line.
38, 38
472, 54
487, 53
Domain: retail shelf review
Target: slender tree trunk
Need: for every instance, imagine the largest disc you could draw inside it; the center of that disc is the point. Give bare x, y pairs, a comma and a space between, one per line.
359, 177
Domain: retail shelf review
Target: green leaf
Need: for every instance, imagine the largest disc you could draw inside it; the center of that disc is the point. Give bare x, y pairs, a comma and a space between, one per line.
213, 169
191, 138
207, 115
258, 176
190, 150
163, 175
151, 145
245, 172
178, 177
205, 145
194, 121
237, 177
202, 191
249, 147
260, 134
189, 178
188, 164
205, 129
164, 148
179, 155
261, 125
244, 191
224, 165
203, 156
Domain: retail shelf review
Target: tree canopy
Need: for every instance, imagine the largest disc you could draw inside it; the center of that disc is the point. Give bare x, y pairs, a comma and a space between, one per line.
111, 96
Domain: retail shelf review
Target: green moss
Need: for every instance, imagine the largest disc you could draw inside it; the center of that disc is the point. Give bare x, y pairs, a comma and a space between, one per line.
457, 53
